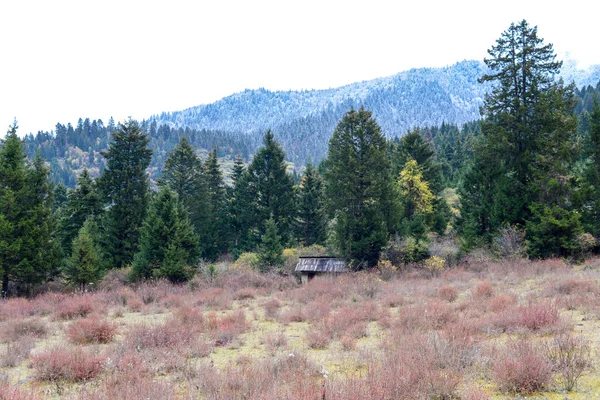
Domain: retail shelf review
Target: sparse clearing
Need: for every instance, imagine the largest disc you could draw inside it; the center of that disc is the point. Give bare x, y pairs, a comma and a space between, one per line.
251, 336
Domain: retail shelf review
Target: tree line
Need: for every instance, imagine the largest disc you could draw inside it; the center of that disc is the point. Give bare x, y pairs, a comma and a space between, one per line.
530, 168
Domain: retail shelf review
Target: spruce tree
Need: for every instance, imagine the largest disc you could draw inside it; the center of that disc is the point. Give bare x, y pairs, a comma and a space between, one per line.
82, 203
528, 143
168, 246
183, 173
28, 253
358, 186
84, 266
270, 249
312, 220
214, 242
239, 209
125, 185
590, 195
13, 185
272, 189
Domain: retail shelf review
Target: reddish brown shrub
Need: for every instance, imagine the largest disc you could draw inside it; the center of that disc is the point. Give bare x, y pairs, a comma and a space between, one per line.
71, 364
501, 302
448, 293
571, 358
294, 314
393, 300
190, 315
572, 286
318, 336
245, 294
536, 316
91, 330
17, 328
215, 298
484, 290
271, 307
522, 368
275, 341
225, 329
16, 351
8, 392
75, 307
167, 335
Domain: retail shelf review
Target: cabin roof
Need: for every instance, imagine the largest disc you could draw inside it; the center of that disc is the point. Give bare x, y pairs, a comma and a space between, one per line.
321, 264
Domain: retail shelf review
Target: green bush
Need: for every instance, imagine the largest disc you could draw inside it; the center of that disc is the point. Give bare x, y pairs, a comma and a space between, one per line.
553, 232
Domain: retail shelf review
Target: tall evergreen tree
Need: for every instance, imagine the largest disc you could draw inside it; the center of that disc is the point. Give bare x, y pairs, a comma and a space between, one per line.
529, 135
272, 188
82, 202
12, 198
214, 241
126, 189
168, 246
358, 181
240, 209
591, 187
184, 174
28, 253
312, 220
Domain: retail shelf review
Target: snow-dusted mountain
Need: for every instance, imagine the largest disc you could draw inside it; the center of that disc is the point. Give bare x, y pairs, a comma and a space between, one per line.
303, 121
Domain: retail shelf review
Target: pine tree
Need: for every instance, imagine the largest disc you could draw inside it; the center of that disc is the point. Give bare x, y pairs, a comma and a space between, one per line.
215, 239
82, 203
358, 185
84, 266
270, 250
168, 245
272, 189
125, 184
183, 173
311, 209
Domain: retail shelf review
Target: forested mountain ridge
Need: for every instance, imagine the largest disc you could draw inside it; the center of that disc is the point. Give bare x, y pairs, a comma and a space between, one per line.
302, 121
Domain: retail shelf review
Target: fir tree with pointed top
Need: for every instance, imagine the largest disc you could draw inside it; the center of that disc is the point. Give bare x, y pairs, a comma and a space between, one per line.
239, 209
312, 221
272, 188
125, 185
214, 242
168, 245
84, 266
184, 173
82, 203
28, 253
359, 187
270, 249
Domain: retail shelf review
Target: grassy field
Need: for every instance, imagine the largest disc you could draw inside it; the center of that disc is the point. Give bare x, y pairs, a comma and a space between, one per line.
480, 330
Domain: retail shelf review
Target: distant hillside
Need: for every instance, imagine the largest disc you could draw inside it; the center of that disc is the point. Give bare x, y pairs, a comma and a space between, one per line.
303, 121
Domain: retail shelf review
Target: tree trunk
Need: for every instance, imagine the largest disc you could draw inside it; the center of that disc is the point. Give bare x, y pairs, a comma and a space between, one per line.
5, 284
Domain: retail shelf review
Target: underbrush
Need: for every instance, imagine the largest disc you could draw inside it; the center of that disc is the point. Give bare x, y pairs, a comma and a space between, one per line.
474, 332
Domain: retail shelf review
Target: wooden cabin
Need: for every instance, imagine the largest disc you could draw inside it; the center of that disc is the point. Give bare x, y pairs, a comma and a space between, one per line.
309, 267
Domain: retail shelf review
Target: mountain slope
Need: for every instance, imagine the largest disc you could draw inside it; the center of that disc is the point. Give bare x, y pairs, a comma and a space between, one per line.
303, 121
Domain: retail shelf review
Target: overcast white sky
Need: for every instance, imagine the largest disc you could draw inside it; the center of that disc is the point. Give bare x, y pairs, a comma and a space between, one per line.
61, 60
